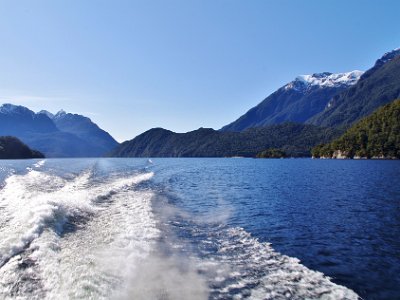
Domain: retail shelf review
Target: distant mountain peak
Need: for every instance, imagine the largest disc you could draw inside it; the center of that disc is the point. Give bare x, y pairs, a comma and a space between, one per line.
379, 63
390, 55
377, 86
325, 79
47, 113
8, 108
60, 113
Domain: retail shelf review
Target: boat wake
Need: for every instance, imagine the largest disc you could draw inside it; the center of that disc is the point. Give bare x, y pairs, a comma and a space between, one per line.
236, 265
89, 237
71, 238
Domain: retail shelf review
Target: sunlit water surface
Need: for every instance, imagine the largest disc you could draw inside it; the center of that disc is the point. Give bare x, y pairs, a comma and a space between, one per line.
199, 229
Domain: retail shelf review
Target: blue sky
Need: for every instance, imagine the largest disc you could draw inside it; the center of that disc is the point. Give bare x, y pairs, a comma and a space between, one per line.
181, 65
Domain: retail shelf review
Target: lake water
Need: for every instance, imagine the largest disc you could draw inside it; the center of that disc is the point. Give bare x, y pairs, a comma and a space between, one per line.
199, 229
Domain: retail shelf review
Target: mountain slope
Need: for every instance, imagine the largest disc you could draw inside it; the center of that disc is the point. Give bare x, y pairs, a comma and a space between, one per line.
13, 148
297, 101
376, 87
85, 129
377, 135
294, 139
58, 144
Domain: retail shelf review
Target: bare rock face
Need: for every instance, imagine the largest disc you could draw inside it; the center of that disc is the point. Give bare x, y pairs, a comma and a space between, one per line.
339, 154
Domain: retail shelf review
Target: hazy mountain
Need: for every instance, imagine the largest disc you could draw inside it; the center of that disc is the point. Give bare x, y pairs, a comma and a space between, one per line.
294, 139
297, 101
376, 87
18, 120
84, 128
40, 131
59, 144
13, 148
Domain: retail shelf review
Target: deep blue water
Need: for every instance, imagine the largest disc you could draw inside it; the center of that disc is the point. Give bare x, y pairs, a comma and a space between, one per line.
338, 217
215, 219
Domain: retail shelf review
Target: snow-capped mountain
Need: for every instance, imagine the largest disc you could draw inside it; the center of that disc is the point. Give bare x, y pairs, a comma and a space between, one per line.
327, 99
377, 86
297, 101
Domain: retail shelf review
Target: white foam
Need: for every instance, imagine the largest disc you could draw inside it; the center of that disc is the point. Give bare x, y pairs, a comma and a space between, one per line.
86, 264
259, 272
104, 254
30, 203
236, 265
39, 163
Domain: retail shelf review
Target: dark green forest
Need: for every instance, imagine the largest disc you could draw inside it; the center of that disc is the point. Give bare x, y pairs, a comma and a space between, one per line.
13, 148
271, 153
296, 140
375, 136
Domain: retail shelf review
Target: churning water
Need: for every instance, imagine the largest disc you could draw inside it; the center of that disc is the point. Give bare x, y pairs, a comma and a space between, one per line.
199, 229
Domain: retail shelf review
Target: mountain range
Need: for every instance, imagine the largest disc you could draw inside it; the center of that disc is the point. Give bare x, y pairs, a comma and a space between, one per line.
60, 135
326, 99
310, 110
295, 118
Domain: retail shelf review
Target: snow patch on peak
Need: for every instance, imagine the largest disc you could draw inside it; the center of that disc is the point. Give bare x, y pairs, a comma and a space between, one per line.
47, 113
329, 79
60, 113
325, 79
8, 108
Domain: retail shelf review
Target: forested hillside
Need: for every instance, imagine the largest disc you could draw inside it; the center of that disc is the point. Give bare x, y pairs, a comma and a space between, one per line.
376, 136
294, 139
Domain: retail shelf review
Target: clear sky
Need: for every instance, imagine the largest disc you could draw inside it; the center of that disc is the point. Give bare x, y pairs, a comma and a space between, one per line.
133, 65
